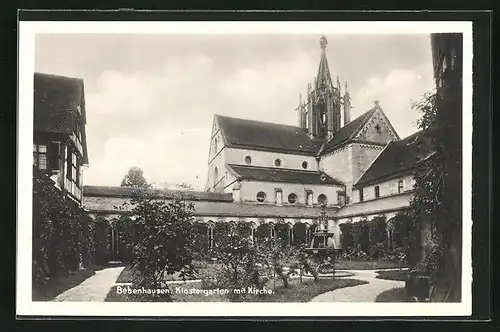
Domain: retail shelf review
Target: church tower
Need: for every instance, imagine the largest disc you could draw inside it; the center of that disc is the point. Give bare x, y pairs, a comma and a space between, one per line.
320, 113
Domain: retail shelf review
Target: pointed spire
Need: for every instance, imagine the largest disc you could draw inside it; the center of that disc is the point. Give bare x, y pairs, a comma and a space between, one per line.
346, 91
323, 70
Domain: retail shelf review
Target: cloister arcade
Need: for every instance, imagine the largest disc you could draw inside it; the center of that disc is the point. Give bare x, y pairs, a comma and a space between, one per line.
292, 230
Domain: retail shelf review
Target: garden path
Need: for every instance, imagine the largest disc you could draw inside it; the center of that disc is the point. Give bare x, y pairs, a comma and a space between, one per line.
362, 293
93, 289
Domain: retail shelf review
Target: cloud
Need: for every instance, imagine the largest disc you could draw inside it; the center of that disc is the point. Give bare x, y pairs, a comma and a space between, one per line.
395, 92
151, 99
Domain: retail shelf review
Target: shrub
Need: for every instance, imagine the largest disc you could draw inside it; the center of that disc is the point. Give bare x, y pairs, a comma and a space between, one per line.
63, 234
164, 239
346, 236
377, 237
238, 258
361, 235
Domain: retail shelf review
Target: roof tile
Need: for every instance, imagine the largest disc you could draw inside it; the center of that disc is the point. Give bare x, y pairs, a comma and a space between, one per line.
283, 175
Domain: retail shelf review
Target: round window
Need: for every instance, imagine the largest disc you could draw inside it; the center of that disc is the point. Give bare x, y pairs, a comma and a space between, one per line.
248, 160
261, 196
292, 198
305, 164
322, 199
277, 162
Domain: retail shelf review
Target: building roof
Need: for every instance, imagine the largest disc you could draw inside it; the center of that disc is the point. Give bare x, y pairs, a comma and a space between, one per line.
379, 205
56, 99
349, 131
396, 158
266, 135
282, 175
204, 208
114, 191
55, 105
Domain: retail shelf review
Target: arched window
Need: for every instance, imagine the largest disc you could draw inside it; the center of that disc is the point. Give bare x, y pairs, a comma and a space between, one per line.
292, 198
273, 232
210, 235
261, 196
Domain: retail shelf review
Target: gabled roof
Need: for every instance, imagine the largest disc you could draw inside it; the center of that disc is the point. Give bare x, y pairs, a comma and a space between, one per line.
114, 191
266, 136
268, 174
56, 99
349, 131
397, 157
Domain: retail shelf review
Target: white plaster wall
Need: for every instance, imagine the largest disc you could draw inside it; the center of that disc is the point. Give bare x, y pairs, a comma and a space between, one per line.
249, 190
387, 188
266, 159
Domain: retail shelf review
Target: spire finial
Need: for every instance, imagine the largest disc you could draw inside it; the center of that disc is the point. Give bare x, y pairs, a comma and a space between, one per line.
323, 42
377, 103
346, 91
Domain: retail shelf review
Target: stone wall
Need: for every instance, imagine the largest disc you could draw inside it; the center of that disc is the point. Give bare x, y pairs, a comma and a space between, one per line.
338, 164
377, 129
363, 156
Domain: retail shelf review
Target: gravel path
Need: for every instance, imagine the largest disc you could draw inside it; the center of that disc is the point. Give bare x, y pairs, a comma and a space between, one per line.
362, 293
93, 289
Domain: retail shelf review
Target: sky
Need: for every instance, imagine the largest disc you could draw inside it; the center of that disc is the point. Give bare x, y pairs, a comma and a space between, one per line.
151, 99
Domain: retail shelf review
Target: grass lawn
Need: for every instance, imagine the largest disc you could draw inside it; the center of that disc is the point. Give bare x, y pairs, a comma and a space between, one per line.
392, 295
393, 275
365, 265
60, 284
298, 292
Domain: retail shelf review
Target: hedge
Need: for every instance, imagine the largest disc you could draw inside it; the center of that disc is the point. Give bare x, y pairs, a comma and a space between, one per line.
64, 237
371, 237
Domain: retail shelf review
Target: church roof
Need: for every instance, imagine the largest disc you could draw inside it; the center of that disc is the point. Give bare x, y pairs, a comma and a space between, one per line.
349, 131
282, 175
266, 136
55, 105
397, 157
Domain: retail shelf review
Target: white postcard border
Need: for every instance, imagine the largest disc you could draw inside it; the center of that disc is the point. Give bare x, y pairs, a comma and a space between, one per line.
25, 305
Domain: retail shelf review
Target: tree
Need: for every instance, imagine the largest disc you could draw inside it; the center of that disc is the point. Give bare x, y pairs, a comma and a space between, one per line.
239, 258
164, 239
134, 179
184, 187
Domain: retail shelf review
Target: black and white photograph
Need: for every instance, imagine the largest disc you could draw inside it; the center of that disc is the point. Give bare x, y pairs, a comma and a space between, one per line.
245, 168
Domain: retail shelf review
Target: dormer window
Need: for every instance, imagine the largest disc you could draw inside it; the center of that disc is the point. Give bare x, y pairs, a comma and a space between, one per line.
278, 162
